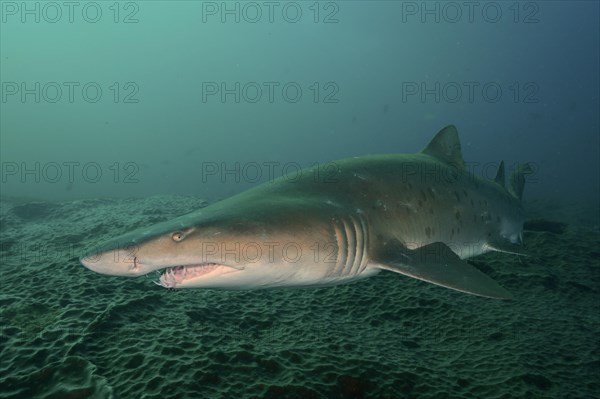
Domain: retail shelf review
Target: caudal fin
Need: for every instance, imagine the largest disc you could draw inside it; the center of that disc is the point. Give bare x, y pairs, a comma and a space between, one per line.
516, 182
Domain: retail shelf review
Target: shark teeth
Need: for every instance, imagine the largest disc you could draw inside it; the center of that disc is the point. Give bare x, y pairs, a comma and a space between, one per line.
174, 276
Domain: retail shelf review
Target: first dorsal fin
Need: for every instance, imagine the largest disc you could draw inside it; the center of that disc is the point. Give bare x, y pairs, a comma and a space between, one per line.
500, 175
445, 146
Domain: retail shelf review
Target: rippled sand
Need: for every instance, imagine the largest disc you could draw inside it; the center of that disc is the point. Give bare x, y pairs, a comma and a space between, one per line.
66, 332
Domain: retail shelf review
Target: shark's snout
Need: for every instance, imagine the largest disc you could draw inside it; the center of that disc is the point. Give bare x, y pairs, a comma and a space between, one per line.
162, 253
117, 262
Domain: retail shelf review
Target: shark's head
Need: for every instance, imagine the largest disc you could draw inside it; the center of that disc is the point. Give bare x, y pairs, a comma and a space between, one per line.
213, 249
187, 254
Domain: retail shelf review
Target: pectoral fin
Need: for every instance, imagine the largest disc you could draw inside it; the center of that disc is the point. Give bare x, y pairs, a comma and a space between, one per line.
437, 264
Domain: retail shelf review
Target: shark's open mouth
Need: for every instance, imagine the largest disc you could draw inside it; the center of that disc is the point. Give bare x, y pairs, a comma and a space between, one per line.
176, 275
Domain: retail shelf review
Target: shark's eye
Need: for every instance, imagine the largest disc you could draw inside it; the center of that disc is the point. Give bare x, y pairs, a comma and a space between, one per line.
178, 236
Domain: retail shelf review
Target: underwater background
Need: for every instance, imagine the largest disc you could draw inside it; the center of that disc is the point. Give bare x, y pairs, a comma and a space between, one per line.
116, 115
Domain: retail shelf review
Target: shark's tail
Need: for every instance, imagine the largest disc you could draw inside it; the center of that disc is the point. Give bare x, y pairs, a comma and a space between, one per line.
516, 182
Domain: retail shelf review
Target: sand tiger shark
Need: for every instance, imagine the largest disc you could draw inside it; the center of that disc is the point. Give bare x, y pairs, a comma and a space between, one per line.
420, 215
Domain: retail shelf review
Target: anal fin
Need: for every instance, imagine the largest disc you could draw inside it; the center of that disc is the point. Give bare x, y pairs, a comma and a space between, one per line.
436, 263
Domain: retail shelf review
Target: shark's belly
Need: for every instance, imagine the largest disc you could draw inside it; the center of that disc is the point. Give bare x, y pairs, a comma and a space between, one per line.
287, 275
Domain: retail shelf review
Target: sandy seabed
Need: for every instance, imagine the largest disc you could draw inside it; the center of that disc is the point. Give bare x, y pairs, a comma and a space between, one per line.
66, 332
